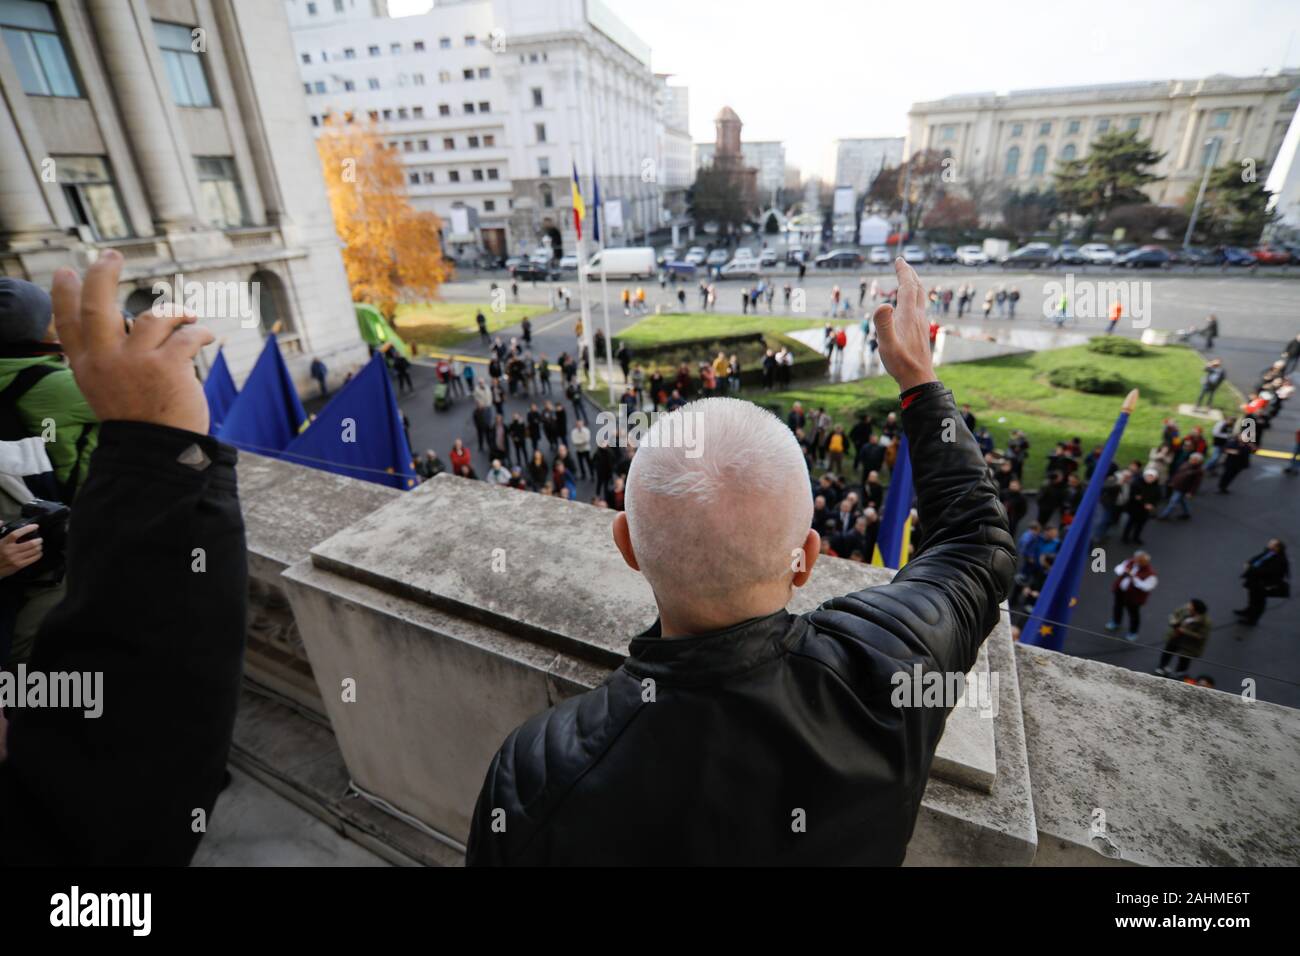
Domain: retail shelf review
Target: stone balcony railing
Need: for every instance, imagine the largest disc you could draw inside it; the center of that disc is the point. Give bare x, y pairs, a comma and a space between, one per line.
417, 629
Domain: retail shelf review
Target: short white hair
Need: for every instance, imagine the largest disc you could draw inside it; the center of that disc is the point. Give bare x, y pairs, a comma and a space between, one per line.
721, 513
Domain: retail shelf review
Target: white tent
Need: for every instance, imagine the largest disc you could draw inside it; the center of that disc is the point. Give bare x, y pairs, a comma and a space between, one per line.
873, 231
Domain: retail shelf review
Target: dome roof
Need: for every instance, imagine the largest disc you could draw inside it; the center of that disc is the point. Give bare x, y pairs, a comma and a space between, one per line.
726, 115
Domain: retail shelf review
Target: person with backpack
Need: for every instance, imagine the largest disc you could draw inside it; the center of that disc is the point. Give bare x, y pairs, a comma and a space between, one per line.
38, 395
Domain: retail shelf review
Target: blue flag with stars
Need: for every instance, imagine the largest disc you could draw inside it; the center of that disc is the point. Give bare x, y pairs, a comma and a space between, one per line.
359, 433
1050, 618
267, 414
219, 389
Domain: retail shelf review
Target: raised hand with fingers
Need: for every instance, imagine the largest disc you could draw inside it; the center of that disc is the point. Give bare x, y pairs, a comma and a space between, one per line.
144, 375
903, 332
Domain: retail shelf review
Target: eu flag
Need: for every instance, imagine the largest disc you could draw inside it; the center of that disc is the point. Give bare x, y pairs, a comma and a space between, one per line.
896, 521
1050, 618
359, 433
219, 389
595, 207
267, 414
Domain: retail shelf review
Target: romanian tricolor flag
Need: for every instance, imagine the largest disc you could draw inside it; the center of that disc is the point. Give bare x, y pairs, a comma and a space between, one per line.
579, 207
893, 539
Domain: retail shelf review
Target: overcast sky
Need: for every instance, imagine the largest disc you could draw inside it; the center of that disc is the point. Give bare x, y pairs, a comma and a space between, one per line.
811, 71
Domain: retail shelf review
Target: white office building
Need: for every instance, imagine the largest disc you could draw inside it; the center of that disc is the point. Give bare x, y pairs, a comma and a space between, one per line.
858, 161
491, 103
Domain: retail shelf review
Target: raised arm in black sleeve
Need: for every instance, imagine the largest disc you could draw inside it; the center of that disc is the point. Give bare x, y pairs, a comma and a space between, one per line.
156, 603
942, 605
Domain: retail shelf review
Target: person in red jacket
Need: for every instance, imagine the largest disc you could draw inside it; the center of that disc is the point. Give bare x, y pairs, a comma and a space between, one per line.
1135, 579
460, 457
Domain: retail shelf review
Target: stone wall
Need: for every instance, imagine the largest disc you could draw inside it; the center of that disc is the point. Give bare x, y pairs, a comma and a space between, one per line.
435, 621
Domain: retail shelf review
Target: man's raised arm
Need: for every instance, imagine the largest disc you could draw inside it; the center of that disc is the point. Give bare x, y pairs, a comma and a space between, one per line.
947, 595
154, 616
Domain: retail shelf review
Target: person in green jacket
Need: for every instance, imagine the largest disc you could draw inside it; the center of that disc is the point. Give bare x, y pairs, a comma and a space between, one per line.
1189, 629
38, 394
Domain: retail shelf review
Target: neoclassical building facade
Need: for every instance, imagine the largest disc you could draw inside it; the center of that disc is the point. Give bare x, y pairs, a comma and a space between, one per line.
174, 131
1017, 138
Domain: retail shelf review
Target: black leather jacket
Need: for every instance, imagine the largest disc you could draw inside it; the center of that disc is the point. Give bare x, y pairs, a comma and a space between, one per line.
774, 741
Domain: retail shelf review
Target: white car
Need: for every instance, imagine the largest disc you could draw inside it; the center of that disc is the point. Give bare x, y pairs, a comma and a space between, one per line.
744, 254
972, 256
717, 257
540, 256
740, 269
696, 255
913, 254
879, 256
569, 263
767, 257
1097, 253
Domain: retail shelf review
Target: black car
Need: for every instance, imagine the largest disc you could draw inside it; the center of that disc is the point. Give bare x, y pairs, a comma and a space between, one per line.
942, 254
532, 272
1034, 254
843, 259
1195, 256
1148, 257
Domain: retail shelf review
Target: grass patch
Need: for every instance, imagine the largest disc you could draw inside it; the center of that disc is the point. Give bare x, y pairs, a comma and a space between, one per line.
1014, 392
445, 324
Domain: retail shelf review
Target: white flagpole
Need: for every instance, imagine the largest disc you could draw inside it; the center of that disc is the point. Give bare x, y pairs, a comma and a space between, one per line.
585, 311
604, 287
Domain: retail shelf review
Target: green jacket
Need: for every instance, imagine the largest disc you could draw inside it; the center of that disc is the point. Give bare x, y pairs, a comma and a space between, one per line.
56, 398
1187, 632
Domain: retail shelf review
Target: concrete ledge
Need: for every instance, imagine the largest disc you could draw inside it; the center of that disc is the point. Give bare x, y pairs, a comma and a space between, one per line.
1132, 768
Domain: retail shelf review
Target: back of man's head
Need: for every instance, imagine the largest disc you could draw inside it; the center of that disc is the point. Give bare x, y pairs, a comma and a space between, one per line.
718, 503
25, 312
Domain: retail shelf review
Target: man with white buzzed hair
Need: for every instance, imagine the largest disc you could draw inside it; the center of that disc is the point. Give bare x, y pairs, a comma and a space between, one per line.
736, 732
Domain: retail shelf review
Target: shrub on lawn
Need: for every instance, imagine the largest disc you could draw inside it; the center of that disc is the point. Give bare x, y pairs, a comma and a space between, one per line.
1088, 378
1113, 345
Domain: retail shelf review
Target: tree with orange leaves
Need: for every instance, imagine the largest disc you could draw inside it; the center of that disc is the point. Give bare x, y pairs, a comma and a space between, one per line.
391, 251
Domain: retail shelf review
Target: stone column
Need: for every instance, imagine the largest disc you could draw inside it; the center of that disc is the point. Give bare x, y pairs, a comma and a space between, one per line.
23, 210
141, 96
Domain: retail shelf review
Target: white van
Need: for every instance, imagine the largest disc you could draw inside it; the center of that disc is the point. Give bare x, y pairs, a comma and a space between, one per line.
636, 262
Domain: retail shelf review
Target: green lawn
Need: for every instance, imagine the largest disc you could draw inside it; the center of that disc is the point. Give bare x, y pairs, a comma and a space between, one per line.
446, 324
686, 326
1012, 392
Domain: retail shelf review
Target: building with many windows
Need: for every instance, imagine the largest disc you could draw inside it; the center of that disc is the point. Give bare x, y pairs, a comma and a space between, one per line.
174, 132
1017, 138
491, 103
673, 170
858, 161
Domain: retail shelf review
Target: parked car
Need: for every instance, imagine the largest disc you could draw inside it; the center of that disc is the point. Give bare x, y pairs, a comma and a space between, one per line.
767, 257
840, 259
681, 269
1068, 255
1196, 256
942, 253
794, 257
1267, 255
880, 256
668, 254
914, 254
744, 254
741, 269
528, 271
1236, 256
511, 262
696, 255
971, 256
568, 263
1146, 257
540, 256
718, 257
1124, 248
1032, 254
1097, 253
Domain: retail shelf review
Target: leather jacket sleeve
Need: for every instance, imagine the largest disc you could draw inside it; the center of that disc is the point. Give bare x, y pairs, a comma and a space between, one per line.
945, 599
156, 603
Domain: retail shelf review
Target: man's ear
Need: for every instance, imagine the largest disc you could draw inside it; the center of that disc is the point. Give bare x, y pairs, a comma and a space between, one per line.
623, 540
812, 547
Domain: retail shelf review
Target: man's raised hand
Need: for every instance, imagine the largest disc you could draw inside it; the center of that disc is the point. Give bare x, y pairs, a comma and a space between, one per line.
145, 375
903, 333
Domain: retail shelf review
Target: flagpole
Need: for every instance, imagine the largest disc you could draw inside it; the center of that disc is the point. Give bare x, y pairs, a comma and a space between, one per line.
584, 308
600, 239
1059, 593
